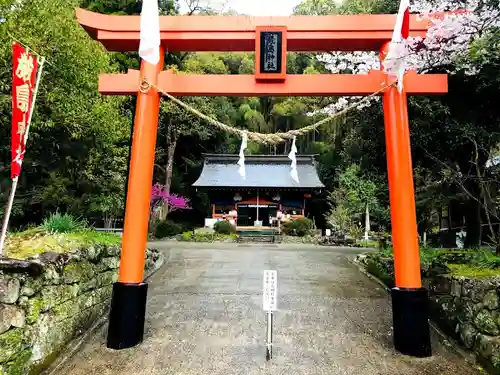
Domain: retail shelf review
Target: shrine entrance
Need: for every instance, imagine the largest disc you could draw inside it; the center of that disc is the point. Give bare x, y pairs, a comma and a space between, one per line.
270, 38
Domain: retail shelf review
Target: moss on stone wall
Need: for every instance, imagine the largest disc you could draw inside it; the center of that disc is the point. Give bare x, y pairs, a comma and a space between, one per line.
473, 271
36, 241
464, 300
11, 343
51, 298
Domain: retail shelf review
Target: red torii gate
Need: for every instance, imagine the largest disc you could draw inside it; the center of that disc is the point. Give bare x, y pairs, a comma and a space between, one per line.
244, 34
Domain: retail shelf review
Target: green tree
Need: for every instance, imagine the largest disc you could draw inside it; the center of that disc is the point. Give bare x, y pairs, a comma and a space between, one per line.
124, 7
352, 199
74, 128
178, 125
452, 137
317, 7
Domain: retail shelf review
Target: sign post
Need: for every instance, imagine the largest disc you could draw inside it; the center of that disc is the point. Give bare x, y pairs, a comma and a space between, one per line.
269, 343
270, 297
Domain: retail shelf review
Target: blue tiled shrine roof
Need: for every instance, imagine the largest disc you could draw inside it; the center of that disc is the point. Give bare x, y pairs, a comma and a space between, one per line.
262, 171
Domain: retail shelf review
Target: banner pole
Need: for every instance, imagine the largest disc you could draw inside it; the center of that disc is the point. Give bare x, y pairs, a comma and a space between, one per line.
8, 210
10, 202
35, 93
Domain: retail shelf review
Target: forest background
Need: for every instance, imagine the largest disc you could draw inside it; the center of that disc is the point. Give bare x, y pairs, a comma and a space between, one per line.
79, 142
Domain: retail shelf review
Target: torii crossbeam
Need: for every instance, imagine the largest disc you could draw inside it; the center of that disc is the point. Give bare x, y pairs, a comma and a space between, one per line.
271, 38
294, 85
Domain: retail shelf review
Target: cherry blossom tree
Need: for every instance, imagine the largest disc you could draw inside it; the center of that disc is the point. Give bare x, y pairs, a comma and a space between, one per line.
175, 202
456, 28
161, 198
461, 36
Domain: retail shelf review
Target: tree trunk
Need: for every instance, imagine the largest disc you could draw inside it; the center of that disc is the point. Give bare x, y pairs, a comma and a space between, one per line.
367, 222
169, 168
490, 209
473, 217
108, 221
170, 164
478, 201
286, 130
265, 105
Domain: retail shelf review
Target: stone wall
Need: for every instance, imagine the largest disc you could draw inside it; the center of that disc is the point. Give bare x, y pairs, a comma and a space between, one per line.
47, 301
315, 240
467, 309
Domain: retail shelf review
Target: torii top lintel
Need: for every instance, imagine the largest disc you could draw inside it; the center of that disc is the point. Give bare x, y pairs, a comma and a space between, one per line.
237, 33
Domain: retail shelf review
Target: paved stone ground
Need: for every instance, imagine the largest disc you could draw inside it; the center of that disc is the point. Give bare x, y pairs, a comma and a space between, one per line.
205, 317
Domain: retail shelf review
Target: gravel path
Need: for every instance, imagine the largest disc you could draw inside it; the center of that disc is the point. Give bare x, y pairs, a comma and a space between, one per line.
204, 317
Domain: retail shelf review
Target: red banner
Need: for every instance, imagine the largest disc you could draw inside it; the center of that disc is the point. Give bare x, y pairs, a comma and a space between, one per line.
23, 84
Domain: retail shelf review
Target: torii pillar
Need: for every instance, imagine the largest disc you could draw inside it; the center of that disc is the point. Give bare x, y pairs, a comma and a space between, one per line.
246, 34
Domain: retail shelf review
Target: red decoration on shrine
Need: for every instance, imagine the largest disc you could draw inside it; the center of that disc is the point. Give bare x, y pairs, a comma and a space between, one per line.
23, 83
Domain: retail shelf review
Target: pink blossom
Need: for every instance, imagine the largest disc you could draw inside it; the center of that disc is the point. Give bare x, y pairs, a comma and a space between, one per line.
447, 45
160, 197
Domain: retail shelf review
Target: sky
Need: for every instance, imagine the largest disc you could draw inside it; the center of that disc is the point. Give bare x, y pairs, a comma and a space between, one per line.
258, 7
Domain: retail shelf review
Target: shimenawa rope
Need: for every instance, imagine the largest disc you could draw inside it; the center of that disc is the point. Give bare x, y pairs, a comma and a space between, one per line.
272, 138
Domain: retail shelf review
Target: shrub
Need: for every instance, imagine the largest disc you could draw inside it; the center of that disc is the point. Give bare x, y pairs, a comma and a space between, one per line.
186, 236
197, 237
224, 227
205, 237
299, 227
168, 228
58, 223
368, 244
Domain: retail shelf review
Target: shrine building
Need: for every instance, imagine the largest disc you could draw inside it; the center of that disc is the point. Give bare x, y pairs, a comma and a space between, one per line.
266, 189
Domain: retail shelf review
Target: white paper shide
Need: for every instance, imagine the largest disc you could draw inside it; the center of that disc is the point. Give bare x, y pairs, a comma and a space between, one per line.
293, 157
149, 47
241, 161
395, 61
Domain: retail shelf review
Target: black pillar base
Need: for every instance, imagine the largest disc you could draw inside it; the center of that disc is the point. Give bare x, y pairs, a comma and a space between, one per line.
411, 322
127, 315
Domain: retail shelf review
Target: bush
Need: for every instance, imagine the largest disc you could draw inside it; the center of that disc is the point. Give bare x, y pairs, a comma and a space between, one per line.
197, 237
298, 227
368, 244
224, 227
168, 228
206, 237
57, 223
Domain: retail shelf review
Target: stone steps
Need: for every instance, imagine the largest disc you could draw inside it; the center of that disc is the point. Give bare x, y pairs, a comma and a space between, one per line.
256, 239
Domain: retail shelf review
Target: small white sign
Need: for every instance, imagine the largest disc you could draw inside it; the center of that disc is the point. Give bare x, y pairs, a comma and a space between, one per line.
328, 232
270, 290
